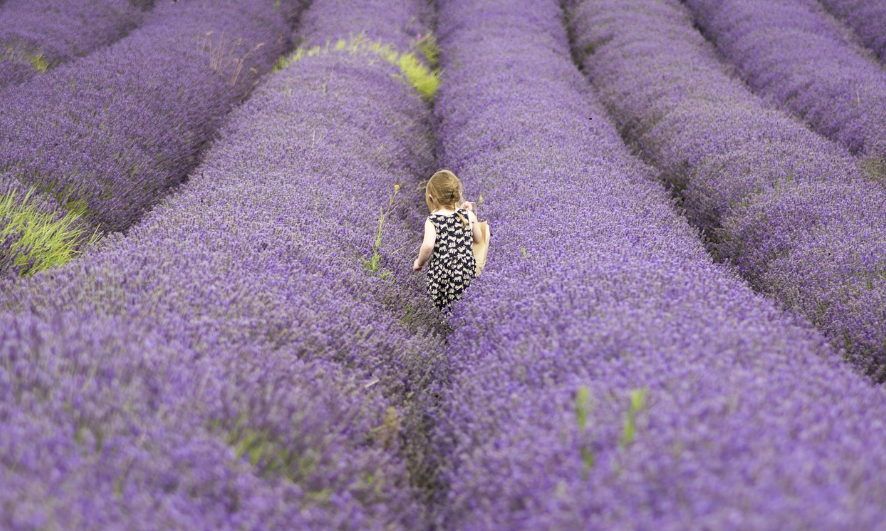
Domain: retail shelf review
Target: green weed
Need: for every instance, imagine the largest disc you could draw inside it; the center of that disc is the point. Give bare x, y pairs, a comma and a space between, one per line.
40, 239
422, 78
374, 263
428, 46
24, 54
425, 80
638, 403
39, 62
582, 409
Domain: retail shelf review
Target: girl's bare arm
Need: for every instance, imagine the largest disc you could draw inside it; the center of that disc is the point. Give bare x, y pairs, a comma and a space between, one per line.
475, 227
427, 246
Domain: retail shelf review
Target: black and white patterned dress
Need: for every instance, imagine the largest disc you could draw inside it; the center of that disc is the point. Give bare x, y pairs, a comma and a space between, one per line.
452, 267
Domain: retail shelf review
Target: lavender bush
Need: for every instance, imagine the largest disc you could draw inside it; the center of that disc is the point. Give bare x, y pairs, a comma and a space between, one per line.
36, 36
108, 134
793, 52
607, 374
231, 363
867, 19
402, 34
759, 185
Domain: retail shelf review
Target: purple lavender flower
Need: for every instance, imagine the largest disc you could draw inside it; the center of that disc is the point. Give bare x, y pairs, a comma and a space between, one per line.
230, 363
867, 19
606, 373
794, 53
343, 19
116, 129
759, 185
36, 36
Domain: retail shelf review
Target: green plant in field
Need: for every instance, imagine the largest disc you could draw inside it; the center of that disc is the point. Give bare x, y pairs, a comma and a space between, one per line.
638, 403
22, 54
39, 240
424, 79
582, 409
428, 46
374, 263
39, 62
386, 433
874, 167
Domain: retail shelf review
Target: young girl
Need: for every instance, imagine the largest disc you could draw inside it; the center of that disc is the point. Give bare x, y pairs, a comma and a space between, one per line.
449, 232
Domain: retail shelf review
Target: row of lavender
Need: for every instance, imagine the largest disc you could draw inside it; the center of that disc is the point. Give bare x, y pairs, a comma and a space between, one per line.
36, 36
794, 53
231, 363
788, 208
866, 18
104, 136
607, 374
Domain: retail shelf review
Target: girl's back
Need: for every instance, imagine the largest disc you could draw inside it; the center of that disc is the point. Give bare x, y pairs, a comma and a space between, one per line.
452, 266
450, 232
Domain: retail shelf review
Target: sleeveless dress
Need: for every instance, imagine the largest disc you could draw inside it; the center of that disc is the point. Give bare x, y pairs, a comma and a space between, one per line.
452, 267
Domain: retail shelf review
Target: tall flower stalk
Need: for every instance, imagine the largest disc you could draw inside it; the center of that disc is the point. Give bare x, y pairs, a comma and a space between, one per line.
374, 263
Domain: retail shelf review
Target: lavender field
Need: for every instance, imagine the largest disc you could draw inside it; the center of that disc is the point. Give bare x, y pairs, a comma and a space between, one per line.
209, 319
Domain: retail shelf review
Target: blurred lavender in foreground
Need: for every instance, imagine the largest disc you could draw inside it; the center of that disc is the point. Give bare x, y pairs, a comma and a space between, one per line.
36, 36
786, 207
793, 52
607, 374
230, 363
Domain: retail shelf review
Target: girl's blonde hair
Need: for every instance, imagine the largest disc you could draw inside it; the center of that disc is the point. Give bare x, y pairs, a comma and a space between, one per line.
444, 191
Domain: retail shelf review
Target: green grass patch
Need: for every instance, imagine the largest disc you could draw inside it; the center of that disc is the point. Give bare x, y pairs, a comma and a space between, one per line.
21, 54
874, 167
39, 62
428, 46
413, 70
39, 240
